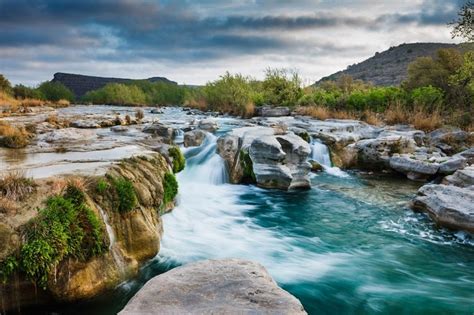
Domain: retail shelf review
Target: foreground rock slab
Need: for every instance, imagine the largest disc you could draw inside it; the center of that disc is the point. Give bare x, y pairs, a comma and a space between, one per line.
228, 286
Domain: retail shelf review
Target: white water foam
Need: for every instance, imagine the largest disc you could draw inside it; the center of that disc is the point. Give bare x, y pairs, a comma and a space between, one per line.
320, 154
210, 222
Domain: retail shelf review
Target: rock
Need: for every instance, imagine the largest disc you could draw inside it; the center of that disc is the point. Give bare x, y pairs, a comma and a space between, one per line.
68, 135
449, 139
376, 153
86, 124
414, 169
449, 206
228, 286
209, 125
161, 130
315, 166
270, 111
468, 155
194, 138
156, 111
452, 164
119, 129
461, 178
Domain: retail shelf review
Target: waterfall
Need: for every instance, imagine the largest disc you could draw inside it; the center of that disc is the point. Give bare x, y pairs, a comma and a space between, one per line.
203, 165
178, 136
115, 251
320, 154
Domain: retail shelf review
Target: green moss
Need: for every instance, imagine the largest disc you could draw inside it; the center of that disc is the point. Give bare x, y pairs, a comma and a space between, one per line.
170, 187
126, 195
7, 267
305, 136
247, 166
102, 186
66, 227
178, 159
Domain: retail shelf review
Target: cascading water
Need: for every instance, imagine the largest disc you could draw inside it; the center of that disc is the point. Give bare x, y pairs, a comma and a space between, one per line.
178, 136
115, 251
320, 154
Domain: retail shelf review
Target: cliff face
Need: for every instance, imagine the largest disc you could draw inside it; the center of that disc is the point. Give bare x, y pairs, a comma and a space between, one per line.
390, 67
130, 237
81, 84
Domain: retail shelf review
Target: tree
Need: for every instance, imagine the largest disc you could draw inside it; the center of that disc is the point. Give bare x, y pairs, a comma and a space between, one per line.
55, 91
282, 87
5, 85
464, 25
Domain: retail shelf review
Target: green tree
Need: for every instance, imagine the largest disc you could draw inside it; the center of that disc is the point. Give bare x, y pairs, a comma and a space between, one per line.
55, 91
464, 25
20, 91
281, 87
5, 85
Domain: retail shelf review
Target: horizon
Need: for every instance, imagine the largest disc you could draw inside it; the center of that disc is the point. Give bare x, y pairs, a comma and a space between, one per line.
193, 43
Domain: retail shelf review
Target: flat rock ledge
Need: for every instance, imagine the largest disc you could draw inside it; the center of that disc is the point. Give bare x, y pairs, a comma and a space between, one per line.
229, 286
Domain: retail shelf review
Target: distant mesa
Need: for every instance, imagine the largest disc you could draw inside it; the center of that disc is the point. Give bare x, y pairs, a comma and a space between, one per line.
389, 67
81, 84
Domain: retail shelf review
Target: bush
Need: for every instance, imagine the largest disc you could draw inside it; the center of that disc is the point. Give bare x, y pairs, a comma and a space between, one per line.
14, 137
170, 188
5, 85
231, 94
281, 87
65, 228
427, 97
55, 91
23, 92
15, 186
179, 161
117, 94
126, 196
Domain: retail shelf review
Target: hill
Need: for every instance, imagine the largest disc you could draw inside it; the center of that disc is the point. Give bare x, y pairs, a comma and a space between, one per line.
390, 67
81, 84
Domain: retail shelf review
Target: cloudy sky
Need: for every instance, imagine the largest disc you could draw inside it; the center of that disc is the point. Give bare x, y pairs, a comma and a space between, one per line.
195, 41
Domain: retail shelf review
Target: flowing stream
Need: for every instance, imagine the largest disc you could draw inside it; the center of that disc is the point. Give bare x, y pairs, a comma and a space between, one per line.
349, 245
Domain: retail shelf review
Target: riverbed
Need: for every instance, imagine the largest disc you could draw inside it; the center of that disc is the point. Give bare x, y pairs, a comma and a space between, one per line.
348, 245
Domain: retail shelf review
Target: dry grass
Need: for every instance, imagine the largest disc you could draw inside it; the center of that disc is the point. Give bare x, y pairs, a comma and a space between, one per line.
317, 112
15, 186
63, 103
249, 110
14, 137
426, 121
8, 206
371, 118
139, 114
7, 100
396, 114
31, 102
196, 104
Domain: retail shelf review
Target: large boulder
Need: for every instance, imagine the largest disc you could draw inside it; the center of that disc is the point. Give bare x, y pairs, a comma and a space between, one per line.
415, 169
228, 286
194, 138
158, 129
449, 139
449, 206
270, 159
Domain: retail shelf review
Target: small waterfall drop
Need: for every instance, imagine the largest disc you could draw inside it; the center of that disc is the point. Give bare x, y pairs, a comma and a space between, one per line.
320, 154
114, 250
178, 136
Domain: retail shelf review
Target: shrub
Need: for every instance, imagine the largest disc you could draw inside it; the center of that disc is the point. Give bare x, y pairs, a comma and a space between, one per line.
179, 161
117, 94
55, 91
427, 97
281, 87
102, 186
15, 186
5, 85
13, 137
7, 267
23, 92
65, 228
170, 188
126, 195
231, 94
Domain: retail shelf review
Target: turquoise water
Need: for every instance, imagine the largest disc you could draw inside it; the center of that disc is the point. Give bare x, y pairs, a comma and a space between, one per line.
349, 245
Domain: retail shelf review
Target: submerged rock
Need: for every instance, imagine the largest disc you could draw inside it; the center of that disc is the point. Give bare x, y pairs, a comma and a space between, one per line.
228, 286
448, 205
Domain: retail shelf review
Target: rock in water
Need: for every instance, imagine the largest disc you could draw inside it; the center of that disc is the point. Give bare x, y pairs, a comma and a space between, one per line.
449, 206
228, 286
194, 138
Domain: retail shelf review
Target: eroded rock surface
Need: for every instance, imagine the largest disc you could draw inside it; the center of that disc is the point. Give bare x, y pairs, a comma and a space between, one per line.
228, 286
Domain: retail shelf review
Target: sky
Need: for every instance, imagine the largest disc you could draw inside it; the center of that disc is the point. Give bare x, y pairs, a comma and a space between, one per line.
193, 42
